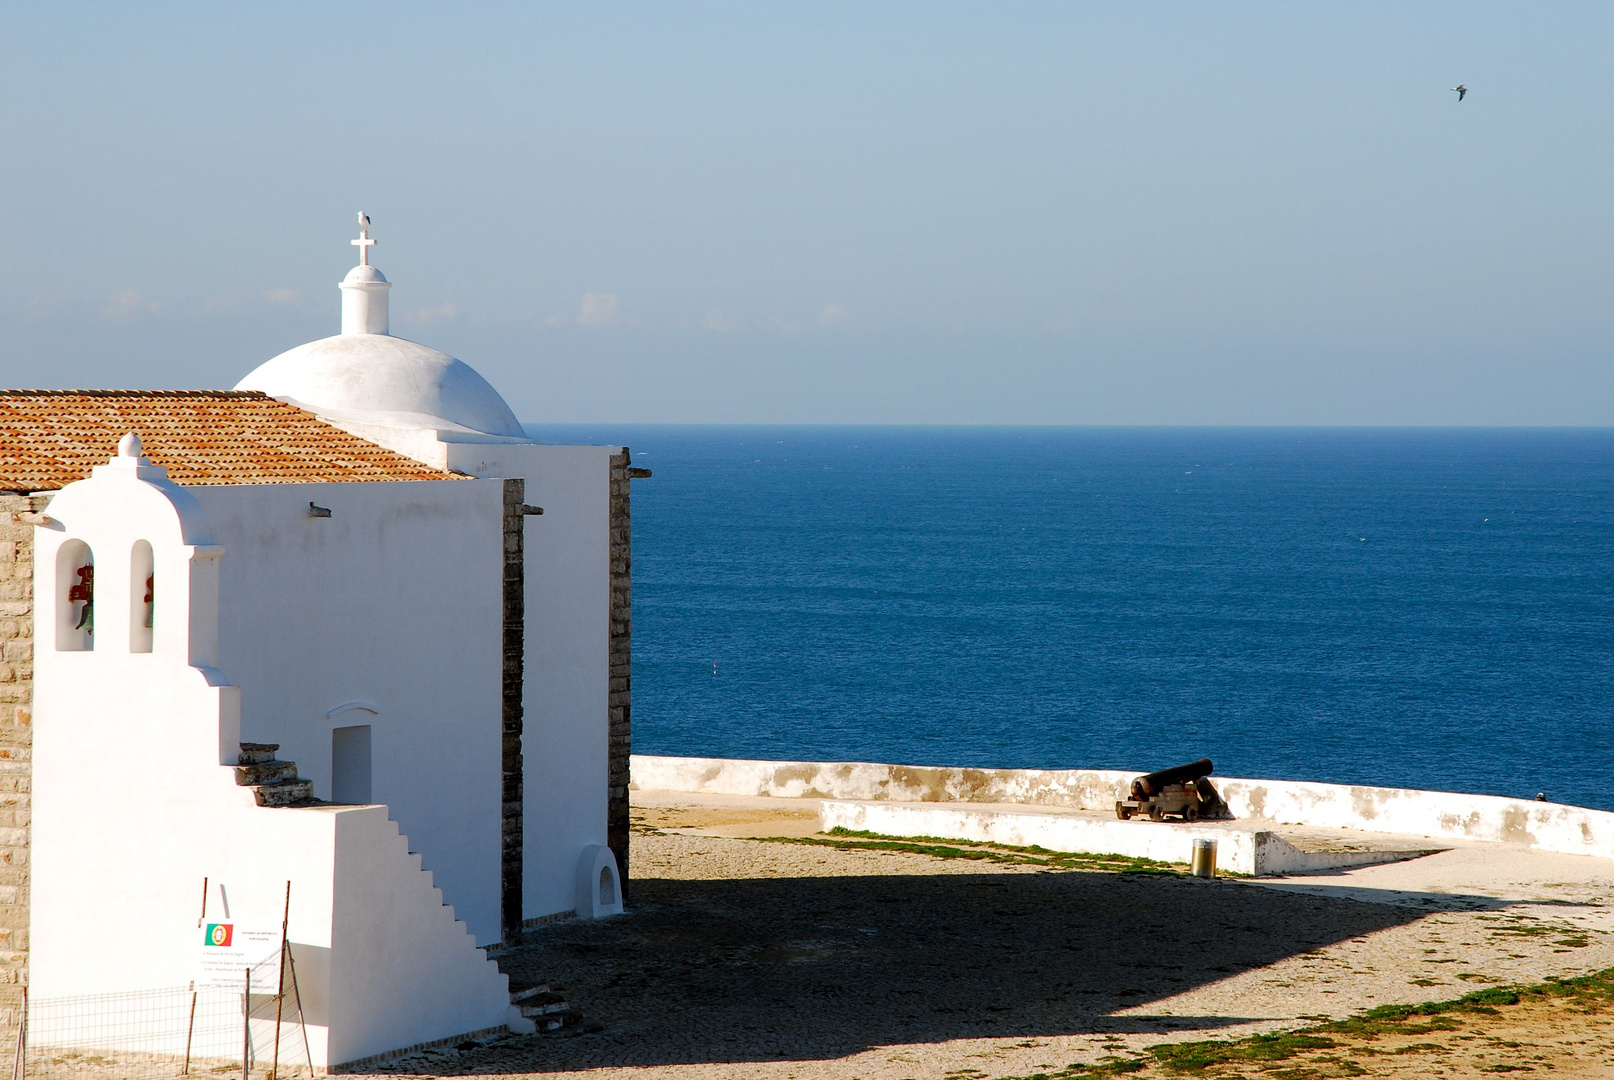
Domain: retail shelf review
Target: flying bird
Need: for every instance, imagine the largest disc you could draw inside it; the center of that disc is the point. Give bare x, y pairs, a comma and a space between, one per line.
364, 219
1462, 91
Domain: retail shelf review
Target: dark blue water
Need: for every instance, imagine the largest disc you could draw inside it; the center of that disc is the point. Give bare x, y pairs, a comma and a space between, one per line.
1421, 608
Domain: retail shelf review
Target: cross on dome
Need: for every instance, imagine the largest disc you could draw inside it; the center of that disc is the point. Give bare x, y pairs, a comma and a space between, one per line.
363, 243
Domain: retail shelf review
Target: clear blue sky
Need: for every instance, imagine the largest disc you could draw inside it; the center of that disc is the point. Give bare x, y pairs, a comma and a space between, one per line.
929, 212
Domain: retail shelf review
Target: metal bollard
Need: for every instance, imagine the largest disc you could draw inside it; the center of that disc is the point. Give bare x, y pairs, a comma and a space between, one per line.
1204, 860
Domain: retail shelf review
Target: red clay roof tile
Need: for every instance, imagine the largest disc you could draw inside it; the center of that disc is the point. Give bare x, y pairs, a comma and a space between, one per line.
49, 438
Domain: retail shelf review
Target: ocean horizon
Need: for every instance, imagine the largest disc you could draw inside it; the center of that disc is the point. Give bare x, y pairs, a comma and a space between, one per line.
1409, 607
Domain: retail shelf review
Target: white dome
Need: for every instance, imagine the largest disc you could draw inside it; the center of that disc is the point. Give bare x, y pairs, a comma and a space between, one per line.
364, 274
375, 378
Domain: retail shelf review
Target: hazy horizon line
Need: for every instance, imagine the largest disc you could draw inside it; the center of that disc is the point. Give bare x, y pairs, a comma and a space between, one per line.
526, 424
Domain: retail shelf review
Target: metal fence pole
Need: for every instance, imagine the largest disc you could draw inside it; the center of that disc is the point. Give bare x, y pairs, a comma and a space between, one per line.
190, 1029
19, 1063
302, 1017
246, 1027
280, 996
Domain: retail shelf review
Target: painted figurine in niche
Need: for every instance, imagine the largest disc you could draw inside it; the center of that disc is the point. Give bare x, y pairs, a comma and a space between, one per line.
84, 592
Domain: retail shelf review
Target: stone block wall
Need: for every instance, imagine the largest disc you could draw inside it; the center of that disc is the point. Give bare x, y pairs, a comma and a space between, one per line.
16, 741
514, 644
621, 661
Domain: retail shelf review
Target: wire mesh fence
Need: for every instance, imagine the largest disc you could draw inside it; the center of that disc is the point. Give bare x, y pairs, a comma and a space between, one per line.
166, 1033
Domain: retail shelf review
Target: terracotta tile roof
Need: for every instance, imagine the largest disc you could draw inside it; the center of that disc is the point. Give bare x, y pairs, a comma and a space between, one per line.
49, 438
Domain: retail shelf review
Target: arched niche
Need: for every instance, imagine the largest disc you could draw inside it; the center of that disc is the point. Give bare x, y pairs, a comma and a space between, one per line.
75, 597
599, 884
142, 597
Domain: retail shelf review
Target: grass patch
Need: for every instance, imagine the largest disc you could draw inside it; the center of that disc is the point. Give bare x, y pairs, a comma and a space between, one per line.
1112, 1067
1197, 1056
1520, 927
1587, 992
944, 848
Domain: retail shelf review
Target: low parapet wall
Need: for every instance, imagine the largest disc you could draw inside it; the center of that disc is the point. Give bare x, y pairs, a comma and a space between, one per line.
1248, 850
1572, 830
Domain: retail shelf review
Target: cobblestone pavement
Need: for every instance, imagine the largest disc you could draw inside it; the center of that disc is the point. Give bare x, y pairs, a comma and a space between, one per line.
746, 958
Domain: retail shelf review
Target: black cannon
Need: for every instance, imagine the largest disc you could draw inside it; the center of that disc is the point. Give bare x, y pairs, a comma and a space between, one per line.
1183, 792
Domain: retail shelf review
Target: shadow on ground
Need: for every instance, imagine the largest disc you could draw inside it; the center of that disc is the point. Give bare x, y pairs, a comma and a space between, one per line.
793, 968
1426, 902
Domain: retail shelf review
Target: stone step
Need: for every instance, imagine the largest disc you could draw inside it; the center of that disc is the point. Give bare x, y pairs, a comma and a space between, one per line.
286, 793
273, 782
267, 772
556, 1021
547, 1010
253, 753
544, 1005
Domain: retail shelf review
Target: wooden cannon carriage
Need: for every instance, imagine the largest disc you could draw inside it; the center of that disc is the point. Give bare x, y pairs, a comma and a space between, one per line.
1184, 792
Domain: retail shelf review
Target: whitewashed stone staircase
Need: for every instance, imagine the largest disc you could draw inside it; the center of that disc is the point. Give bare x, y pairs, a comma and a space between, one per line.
440, 942
273, 782
276, 783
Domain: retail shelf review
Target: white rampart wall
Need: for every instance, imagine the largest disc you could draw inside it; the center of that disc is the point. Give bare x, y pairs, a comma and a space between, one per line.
566, 726
388, 613
1242, 847
1549, 826
1237, 848
135, 802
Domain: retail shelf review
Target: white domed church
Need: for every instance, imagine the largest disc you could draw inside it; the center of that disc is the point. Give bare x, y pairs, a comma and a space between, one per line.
364, 377
337, 660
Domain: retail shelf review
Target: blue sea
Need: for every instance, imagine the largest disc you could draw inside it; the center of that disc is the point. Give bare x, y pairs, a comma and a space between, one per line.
1429, 608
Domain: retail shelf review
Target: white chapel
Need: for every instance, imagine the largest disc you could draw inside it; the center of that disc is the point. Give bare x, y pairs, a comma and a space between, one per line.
340, 646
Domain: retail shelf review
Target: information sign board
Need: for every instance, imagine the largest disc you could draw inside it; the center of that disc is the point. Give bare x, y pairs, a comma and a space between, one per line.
228, 948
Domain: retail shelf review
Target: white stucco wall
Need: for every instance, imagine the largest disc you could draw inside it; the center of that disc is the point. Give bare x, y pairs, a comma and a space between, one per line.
392, 606
1243, 847
1056, 832
566, 726
135, 802
1573, 830
403, 970
566, 723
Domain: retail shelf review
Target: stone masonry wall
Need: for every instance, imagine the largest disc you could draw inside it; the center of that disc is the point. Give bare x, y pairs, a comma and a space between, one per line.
515, 637
621, 660
16, 741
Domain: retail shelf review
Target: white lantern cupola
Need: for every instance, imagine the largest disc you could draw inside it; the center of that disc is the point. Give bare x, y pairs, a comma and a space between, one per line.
364, 290
365, 379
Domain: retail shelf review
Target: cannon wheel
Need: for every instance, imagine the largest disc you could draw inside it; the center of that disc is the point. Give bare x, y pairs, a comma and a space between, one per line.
1190, 813
1155, 813
1122, 812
